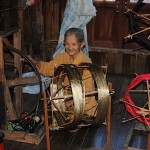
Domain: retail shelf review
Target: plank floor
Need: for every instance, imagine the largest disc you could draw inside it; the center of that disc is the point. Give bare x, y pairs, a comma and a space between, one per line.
92, 138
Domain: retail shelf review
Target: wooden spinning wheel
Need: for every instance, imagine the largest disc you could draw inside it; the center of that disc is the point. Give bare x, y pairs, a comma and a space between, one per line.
139, 23
11, 69
14, 79
99, 93
137, 99
12, 63
74, 101
68, 98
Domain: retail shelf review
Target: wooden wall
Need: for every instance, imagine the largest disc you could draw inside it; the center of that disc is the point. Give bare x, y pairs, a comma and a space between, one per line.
41, 23
122, 61
8, 14
53, 15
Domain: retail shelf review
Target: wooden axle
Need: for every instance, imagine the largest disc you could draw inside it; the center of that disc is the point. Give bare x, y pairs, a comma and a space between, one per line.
70, 96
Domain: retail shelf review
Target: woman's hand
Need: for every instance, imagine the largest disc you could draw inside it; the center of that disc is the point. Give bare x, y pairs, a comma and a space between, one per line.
35, 62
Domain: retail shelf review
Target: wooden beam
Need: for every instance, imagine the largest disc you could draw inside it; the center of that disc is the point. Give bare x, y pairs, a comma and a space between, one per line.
18, 65
119, 51
148, 141
9, 32
139, 129
22, 81
21, 136
7, 42
46, 122
7, 95
1, 57
108, 121
8, 101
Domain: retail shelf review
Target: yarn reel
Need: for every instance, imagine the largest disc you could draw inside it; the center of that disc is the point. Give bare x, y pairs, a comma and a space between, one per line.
79, 96
137, 99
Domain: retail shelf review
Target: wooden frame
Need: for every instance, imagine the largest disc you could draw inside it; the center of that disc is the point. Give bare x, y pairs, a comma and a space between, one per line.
108, 120
15, 135
137, 129
20, 136
7, 97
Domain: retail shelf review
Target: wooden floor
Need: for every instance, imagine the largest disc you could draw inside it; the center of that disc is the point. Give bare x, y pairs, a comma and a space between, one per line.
92, 138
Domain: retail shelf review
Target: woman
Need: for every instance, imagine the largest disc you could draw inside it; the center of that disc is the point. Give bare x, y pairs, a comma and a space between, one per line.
73, 42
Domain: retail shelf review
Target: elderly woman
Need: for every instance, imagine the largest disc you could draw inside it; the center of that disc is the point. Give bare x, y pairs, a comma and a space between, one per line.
74, 42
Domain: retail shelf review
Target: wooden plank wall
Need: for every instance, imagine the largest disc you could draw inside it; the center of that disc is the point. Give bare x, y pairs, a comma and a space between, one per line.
122, 60
53, 15
8, 14
33, 29
41, 25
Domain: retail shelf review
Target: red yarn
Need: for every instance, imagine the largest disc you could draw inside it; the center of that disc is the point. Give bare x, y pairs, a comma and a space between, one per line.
132, 110
1, 146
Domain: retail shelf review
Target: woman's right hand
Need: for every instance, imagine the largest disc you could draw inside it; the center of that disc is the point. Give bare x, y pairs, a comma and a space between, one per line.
35, 62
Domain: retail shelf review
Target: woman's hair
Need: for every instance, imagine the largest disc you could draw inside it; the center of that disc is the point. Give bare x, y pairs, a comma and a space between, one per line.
77, 32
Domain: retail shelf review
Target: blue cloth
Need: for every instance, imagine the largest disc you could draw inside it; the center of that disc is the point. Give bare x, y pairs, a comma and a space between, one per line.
77, 14
35, 88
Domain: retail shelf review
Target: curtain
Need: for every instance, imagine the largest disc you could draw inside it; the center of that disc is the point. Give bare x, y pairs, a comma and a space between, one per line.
77, 14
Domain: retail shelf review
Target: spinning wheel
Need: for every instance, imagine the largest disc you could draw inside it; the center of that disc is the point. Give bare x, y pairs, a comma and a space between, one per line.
67, 98
13, 64
79, 94
14, 80
139, 25
98, 93
137, 99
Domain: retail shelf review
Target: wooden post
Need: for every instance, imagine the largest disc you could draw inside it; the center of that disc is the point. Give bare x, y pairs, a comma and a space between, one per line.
46, 121
1, 56
7, 96
18, 66
148, 141
108, 119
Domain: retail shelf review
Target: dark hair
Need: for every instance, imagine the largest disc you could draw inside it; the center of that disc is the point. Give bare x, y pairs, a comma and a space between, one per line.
77, 32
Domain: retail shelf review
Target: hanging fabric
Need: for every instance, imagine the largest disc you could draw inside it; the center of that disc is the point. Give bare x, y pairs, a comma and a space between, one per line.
77, 14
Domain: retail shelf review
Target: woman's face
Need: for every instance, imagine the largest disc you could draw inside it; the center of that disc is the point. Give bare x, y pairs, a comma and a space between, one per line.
72, 46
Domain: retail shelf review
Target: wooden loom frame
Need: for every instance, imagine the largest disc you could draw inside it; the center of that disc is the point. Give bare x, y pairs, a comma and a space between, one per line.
34, 138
